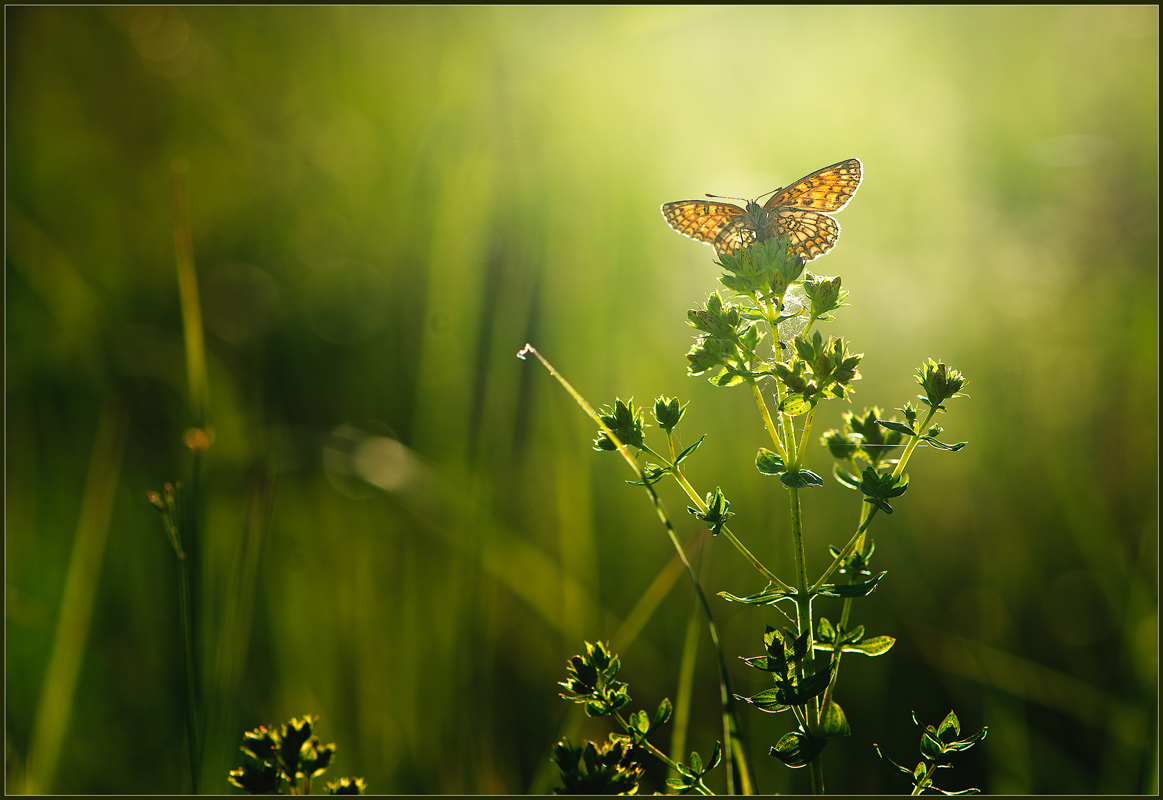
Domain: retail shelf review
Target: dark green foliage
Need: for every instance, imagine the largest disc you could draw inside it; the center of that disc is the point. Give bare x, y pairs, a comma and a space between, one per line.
289, 757
668, 413
825, 294
879, 489
766, 268
940, 383
716, 515
936, 743
591, 681
592, 768
691, 772
626, 422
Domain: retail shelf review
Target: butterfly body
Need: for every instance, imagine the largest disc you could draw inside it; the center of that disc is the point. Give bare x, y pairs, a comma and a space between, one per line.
796, 212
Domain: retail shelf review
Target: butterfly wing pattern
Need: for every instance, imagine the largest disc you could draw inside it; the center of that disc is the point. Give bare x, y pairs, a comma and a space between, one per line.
796, 211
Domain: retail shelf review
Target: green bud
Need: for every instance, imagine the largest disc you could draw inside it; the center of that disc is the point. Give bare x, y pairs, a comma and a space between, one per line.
825, 294
625, 421
668, 412
940, 383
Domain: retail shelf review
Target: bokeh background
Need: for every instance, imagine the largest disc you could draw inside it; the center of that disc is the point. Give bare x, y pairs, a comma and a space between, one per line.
403, 528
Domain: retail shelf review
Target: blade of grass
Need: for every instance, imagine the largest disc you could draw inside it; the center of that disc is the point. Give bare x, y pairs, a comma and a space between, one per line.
72, 632
198, 439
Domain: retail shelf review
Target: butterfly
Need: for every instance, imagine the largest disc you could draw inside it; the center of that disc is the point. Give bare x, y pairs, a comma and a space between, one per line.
795, 212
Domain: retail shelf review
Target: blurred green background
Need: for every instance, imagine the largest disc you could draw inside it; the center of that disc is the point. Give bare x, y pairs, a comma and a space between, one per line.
404, 528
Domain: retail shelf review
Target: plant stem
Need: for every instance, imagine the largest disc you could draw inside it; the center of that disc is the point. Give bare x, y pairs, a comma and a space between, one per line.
699, 786
767, 422
738, 775
731, 537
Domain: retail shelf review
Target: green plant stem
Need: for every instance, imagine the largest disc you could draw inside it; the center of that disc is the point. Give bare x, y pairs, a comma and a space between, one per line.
699, 786
686, 678
767, 421
861, 540
803, 602
188, 596
731, 537
839, 560
917, 789
803, 598
912, 445
738, 774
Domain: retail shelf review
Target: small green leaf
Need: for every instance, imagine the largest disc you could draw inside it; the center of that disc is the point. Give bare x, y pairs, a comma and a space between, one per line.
851, 589
826, 632
941, 446
796, 749
931, 748
834, 723
663, 713
801, 478
812, 686
716, 756
769, 463
965, 744
696, 763
689, 450
877, 645
950, 723
652, 474
768, 597
795, 405
769, 700
905, 770
899, 427
844, 477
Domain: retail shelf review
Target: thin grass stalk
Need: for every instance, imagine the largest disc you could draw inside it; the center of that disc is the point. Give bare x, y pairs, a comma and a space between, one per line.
72, 632
198, 439
738, 774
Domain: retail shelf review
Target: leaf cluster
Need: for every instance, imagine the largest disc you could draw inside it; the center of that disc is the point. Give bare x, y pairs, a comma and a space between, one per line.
591, 768
692, 772
936, 744
285, 756
591, 681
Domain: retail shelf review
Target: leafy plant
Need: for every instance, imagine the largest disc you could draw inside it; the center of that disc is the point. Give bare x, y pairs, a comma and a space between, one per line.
762, 339
607, 768
936, 743
289, 757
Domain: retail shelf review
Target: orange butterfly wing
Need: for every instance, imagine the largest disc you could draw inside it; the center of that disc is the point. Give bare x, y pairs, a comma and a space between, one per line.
828, 189
717, 224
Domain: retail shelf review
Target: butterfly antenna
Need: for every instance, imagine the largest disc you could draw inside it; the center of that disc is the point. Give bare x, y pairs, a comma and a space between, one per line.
724, 197
765, 194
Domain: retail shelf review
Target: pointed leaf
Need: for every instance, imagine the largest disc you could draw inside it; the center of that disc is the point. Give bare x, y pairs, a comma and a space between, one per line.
796, 750
689, 450
696, 763
950, 723
851, 589
716, 756
769, 463
800, 478
769, 596
896, 426
834, 722
663, 713
795, 405
905, 770
769, 700
942, 446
